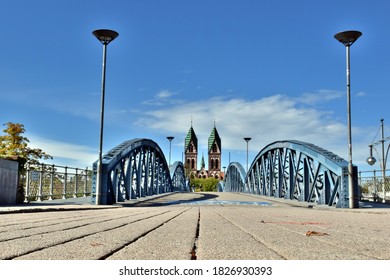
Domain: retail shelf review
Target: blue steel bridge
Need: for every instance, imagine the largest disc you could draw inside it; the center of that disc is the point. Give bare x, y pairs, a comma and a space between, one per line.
288, 169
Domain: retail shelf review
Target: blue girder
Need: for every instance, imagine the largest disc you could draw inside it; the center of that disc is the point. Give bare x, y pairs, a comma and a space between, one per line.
178, 178
235, 178
136, 168
295, 170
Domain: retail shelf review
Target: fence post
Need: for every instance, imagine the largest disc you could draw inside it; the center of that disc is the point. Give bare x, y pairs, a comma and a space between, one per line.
39, 198
65, 181
375, 188
27, 190
387, 187
85, 181
51, 183
75, 185
360, 184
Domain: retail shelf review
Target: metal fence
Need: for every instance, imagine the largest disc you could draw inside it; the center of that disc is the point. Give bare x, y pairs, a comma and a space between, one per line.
47, 182
374, 185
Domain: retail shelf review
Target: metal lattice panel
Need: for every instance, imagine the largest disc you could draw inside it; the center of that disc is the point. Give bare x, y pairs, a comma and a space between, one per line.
134, 169
298, 171
178, 177
234, 178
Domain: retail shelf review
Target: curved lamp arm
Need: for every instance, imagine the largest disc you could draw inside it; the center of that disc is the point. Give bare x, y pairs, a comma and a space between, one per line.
387, 153
381, 162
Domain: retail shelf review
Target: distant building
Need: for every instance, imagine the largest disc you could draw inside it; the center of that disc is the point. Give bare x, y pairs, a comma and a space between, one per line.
214, 155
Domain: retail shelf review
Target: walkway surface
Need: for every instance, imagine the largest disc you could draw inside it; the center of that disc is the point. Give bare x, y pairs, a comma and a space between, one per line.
199, 226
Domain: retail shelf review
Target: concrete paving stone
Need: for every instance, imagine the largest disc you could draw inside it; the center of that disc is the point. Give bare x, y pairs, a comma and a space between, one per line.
164, 227
74, 220
287, 236
220, 239
172, 241
103, 242
20, 246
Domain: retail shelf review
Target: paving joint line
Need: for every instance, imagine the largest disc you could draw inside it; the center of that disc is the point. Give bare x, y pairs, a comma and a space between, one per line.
61, 230
251, 235
139, 237
76, 238
195, 247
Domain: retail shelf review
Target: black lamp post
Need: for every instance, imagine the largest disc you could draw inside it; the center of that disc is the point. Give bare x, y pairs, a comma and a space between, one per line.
347, 38
105, 36
170, 138
371, 160
247, 139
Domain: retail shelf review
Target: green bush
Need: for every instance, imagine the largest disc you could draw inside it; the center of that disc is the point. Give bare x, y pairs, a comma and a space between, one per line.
205, 185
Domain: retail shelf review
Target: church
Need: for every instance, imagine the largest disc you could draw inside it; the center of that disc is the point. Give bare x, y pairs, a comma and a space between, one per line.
214, 155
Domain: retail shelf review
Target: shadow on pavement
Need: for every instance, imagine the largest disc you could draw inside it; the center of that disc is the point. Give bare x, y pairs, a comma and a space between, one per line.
170, 200
373, 205
56, 202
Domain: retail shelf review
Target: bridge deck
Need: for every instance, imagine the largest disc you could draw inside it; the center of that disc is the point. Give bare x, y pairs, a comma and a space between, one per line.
197, 226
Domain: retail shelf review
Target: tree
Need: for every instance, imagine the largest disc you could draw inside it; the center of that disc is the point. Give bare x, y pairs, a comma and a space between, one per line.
14, 146
205, 184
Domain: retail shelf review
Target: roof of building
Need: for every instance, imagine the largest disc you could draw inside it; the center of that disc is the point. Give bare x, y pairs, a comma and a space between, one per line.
202, 163
214, 137
191, 136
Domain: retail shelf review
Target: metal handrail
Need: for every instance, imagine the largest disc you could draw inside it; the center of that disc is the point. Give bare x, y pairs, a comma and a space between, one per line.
371, 185
48, 182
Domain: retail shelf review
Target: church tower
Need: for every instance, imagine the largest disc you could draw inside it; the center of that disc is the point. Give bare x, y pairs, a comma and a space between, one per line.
214, 150
191, 150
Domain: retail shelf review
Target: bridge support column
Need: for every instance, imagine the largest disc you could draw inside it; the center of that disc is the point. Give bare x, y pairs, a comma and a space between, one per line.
346, 189
100, 196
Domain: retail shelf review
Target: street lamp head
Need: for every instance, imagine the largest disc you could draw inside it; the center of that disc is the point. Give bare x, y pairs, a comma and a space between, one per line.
105, 36
247, 139
347, 38
170, 138
371, 160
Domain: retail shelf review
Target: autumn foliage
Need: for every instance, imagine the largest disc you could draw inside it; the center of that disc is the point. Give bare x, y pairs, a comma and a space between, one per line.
14, 146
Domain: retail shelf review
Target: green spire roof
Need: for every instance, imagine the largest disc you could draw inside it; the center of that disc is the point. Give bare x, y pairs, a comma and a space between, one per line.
191, 136
214, 136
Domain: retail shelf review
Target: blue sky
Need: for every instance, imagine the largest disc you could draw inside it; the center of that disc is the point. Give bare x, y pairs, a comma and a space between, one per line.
270, 70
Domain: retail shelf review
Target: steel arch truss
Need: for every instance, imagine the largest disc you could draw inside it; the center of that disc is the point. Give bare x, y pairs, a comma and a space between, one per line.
300, 171
234, 178
178, 177
134, 169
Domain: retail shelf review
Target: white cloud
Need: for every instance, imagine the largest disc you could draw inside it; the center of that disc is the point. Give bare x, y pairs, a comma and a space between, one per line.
162, 98
322, 95
65, 153
361, 93
164, 94
266, 120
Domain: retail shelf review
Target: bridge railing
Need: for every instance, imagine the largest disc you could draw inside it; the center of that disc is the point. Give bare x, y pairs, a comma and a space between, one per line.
135, 168
296, 170
47, 182
372, 187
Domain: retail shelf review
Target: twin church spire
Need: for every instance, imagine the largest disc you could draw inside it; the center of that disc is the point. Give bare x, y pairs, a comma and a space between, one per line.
214, 154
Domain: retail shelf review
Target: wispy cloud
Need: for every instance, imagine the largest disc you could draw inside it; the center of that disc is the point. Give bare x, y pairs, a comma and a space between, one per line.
65, 153
266, 120
164, 94
85, 105
361, 93
323, 95
163, 97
